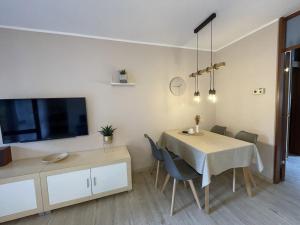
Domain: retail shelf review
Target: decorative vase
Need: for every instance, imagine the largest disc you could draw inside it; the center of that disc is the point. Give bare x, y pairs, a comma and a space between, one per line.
107, 139
123, 78
197, 129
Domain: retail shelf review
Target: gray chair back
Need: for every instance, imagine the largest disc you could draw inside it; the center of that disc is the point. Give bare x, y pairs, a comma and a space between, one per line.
171, 166
246, 136
218, 129
156, 152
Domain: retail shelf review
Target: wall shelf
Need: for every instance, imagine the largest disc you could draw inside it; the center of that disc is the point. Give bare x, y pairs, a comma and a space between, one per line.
122, 84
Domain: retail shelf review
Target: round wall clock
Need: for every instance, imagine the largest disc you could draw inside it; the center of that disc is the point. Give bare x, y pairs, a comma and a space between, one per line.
177, 86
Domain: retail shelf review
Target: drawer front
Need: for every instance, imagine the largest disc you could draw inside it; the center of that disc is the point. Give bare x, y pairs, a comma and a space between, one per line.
69, 186
109, 178
17, 197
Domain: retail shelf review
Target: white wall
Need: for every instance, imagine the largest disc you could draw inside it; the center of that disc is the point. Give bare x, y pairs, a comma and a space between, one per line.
45, 65
250, 63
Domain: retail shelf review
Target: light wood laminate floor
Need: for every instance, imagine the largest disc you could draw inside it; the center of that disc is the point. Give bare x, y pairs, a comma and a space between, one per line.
272, 204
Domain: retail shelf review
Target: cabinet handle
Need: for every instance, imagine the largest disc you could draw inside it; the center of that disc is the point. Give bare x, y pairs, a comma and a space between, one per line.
95, 181
88, 182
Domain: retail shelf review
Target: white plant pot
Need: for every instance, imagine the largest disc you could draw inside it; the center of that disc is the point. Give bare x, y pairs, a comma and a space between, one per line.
123, 78
197, 129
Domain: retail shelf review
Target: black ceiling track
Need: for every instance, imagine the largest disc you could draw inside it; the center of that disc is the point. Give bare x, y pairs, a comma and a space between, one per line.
205, 22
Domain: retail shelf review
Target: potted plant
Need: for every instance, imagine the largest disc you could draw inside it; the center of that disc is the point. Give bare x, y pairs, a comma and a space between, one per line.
107, 133
123, 76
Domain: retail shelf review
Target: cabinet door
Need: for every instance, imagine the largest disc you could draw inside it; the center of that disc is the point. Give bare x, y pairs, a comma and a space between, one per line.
17, 197
109, 178
69, 186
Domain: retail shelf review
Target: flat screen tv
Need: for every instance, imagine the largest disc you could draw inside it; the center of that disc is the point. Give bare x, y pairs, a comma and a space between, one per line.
26, 120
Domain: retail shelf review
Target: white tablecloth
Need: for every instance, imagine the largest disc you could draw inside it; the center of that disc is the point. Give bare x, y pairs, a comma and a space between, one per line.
209, 153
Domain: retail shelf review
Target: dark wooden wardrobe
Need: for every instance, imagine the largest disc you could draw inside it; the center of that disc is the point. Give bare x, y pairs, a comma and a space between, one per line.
287, 126
294, 137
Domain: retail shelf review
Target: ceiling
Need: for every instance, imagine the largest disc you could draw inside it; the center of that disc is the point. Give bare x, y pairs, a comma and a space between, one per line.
163, 22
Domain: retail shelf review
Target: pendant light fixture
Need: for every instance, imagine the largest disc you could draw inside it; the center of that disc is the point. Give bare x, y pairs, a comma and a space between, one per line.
212, 92
197, 93
210, 69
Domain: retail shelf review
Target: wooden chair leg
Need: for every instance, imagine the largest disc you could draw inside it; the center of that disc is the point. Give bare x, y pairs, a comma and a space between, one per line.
157, 173
166, 182
207, 199
251, 177
184, 183
153, 167
233, 181
173, 197
247, 182
194, 193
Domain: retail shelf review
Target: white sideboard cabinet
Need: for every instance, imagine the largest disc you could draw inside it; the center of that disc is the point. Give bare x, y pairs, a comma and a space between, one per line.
28, 186
109, 178
19, 197
69, 186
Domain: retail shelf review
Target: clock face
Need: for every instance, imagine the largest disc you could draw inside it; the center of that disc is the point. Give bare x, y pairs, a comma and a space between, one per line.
177, 86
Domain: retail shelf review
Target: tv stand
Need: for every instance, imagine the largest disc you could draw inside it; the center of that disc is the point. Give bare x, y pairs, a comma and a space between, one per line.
83, 176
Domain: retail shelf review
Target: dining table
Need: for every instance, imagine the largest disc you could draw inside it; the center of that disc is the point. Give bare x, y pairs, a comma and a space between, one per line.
212, 154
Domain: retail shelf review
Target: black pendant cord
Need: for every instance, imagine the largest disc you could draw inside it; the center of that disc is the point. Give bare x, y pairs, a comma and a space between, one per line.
195, 84
211, 56
196, 30
213, 79
197, 88
210, 74
209, 80
196, 68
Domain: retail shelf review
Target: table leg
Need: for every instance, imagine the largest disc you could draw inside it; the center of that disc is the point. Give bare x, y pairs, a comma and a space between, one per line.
251, 177
184, 183
153, 167
207, 199
247, 181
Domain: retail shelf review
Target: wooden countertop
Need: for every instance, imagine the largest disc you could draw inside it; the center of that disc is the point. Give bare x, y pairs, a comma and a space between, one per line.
87, 158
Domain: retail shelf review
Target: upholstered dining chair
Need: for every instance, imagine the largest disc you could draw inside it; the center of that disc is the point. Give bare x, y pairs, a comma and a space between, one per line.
180, 171
251, 138
218, 129
158, 157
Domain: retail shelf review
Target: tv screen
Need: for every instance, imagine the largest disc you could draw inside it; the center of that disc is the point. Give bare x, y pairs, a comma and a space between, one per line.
25, 120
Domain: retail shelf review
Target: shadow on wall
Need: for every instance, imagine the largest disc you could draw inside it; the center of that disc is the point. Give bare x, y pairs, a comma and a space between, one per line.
141, 157
266, 152
22, 152
229, 134
260, 137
